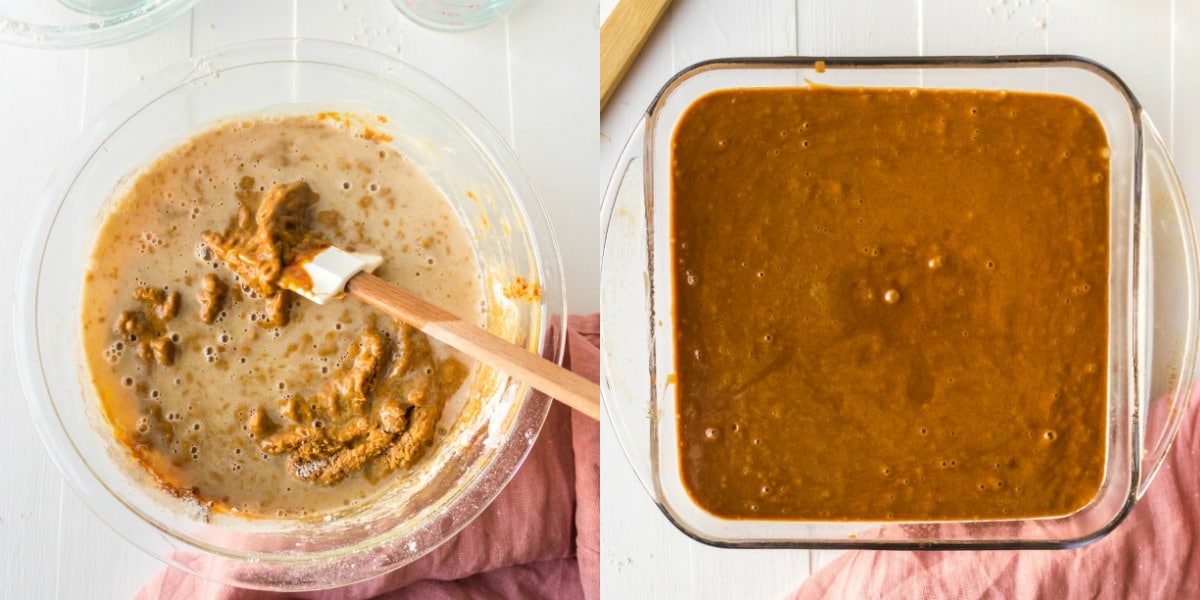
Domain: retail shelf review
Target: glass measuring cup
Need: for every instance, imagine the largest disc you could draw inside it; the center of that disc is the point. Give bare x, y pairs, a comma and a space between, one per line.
453, 15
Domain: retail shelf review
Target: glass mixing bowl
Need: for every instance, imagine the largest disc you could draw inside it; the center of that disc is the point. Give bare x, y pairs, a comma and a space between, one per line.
84, 23
1153, 300
488, 189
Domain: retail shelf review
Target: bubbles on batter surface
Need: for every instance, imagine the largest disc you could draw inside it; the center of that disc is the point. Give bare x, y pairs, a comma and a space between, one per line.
112, 354
147, 242
203, 252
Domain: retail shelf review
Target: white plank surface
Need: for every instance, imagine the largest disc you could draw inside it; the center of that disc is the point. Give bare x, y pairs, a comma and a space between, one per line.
533, 75
31, 504
1153, 44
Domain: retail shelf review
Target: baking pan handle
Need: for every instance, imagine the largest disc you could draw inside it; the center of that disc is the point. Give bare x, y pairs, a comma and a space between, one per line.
1173, 263
625, 334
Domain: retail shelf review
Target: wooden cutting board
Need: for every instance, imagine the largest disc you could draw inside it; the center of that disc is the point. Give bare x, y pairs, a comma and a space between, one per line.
621, 38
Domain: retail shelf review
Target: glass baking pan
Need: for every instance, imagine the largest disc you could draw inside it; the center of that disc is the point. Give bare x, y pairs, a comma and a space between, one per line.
1152, 299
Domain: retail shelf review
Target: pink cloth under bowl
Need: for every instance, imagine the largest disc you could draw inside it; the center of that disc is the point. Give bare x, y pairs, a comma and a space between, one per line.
540, 538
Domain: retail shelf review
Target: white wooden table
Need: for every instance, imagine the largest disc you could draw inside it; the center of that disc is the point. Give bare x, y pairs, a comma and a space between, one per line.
533, 75
1154, 45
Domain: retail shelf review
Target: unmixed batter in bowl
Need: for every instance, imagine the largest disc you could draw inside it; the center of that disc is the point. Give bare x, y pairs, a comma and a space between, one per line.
890, 304
260, 402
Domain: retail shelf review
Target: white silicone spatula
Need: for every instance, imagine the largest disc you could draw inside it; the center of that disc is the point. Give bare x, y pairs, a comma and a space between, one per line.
332, 273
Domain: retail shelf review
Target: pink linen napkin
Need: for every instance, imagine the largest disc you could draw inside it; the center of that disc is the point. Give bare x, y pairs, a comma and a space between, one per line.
1154, 553
540, 538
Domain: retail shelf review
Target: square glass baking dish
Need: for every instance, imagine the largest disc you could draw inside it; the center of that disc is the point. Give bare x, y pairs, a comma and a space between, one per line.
1152, 299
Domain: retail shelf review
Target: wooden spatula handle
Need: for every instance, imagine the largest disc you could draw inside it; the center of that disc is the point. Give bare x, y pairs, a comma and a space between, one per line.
553, 380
